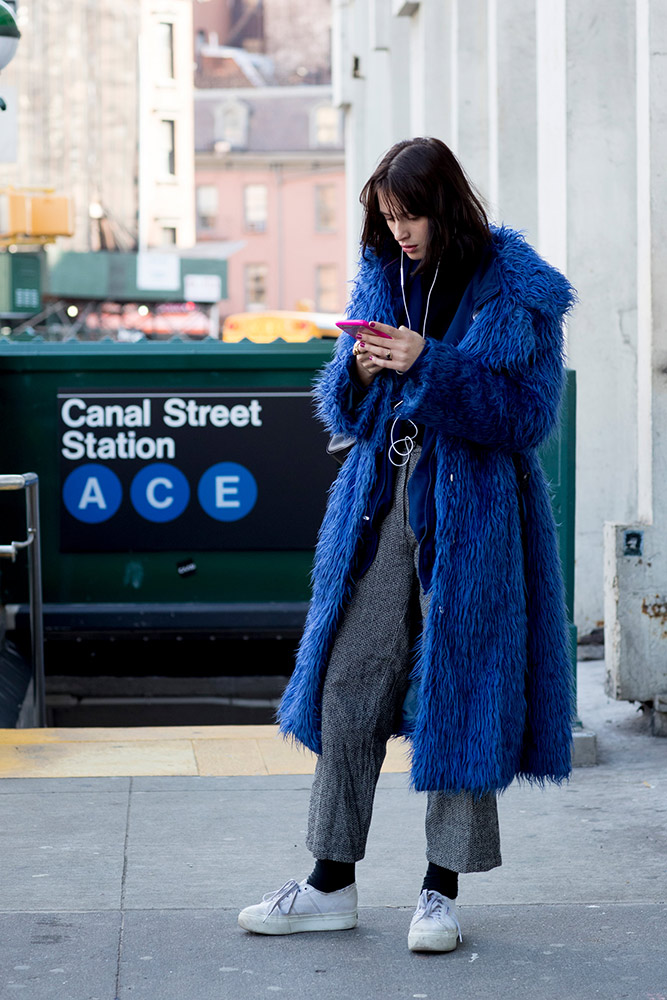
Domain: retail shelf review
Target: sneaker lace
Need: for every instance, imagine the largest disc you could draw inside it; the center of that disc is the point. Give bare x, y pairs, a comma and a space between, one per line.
433, 904
290, 888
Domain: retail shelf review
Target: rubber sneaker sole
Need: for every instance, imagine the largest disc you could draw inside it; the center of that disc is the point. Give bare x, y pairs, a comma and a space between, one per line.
432, 940
285, 923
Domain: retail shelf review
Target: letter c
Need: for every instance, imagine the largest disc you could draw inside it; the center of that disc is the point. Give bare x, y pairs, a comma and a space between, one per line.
66, 415
166, 501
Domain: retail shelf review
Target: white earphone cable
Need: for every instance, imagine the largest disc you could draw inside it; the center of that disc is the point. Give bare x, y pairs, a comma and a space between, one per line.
403, 447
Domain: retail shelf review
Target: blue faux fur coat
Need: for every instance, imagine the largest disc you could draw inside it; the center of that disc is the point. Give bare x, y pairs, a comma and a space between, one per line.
496, 691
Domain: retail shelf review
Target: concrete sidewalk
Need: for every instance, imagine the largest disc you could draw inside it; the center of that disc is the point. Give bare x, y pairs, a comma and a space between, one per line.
129, 887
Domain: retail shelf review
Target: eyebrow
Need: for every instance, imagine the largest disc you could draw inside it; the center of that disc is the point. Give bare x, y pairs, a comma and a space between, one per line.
402, 214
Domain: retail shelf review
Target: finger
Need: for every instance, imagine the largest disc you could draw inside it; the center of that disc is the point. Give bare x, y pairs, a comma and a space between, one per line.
389, 352
385, 363
383, 328
370, 366
402, 333
379, 344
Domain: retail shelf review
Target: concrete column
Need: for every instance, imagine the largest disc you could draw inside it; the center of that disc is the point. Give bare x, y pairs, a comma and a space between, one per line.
601, 222
379, 67
371, 80
399, 87
431, 44
471, 140
350, 66
516, 77
635, 553
551, 47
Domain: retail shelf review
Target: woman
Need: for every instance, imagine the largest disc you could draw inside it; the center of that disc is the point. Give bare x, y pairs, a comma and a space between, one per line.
437, 610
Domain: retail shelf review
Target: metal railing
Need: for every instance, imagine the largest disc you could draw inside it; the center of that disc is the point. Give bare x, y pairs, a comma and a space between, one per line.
29, 482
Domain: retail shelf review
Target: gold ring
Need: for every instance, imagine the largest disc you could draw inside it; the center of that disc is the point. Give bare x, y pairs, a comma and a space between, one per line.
357, 349
388, 355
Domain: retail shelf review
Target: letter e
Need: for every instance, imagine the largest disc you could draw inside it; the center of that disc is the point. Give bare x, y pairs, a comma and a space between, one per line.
223, 486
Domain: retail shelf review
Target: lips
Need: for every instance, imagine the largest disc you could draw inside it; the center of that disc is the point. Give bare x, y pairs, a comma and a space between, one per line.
408, 248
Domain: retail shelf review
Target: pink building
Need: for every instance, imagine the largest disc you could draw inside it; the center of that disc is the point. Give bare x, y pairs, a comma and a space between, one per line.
269, 175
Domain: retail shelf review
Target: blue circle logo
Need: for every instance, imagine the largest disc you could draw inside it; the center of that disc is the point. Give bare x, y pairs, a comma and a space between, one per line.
160, 492
227, 491
92, 493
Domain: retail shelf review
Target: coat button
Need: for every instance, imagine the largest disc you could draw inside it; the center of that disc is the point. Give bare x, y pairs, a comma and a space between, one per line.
366, 517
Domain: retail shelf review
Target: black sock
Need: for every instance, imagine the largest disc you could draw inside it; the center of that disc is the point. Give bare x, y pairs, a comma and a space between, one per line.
442, 880
329, 876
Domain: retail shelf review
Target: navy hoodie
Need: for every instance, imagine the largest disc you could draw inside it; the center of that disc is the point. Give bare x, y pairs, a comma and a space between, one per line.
456, 294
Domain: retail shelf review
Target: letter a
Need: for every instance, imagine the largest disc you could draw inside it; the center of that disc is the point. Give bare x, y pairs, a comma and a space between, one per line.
92, 493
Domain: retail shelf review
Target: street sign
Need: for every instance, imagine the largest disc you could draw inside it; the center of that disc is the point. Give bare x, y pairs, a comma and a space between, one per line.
190, 470
158, 271
20, 284
202, 287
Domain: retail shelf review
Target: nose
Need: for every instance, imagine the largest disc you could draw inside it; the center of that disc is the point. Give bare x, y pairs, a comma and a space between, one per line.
401, 231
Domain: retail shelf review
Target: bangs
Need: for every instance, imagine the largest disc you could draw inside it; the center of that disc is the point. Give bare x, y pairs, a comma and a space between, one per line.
403, 196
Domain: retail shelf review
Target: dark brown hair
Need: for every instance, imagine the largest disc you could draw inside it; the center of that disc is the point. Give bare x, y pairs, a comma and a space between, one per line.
422, 177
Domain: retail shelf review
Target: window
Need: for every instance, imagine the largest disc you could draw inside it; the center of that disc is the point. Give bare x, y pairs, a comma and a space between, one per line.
325, 208
207, 206
327, 126
164, 53
168, 236
255, 286
326, 288
231, 123
167, 146
255, 205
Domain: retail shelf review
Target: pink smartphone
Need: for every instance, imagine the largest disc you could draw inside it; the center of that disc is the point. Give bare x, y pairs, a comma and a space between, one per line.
357, 326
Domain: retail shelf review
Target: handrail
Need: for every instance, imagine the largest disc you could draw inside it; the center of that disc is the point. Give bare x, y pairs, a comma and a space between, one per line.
29, 482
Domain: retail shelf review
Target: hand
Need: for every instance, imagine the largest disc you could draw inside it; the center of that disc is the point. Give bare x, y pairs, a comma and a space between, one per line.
397, 353
366, 369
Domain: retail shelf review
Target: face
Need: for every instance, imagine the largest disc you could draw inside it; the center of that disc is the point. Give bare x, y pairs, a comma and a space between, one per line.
409, 231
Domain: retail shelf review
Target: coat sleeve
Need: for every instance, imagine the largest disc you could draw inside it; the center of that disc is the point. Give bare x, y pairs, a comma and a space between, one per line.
512, 409
344, 405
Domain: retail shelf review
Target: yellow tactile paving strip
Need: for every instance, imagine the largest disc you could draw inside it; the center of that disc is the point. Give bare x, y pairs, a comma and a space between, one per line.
170, 750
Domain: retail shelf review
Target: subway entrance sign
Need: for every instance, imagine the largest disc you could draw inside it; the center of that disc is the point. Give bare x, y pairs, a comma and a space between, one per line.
154, 577
157, 469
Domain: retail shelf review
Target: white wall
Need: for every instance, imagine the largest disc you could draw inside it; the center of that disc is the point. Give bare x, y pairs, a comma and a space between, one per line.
636, 574
540, 102
602, 262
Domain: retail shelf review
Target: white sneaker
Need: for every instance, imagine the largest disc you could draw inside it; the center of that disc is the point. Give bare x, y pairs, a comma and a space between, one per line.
435, 926
298, 906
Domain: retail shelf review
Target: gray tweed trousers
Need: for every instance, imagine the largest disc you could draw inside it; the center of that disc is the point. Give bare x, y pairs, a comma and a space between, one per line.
365, 685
